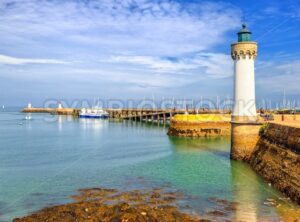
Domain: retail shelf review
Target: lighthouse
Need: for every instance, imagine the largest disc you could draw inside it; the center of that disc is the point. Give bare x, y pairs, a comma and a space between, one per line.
244, 53
244, 125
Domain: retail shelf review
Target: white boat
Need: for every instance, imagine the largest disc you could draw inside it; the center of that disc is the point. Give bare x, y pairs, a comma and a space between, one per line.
93, 113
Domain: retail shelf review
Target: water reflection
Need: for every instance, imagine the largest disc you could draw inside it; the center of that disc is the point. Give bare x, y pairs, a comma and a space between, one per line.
28, 116
218, 145
257, 201
95, 124
60, 120
246, 191
64, 119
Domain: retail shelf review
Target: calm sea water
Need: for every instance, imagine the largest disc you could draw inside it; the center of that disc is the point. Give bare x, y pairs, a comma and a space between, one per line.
47, 158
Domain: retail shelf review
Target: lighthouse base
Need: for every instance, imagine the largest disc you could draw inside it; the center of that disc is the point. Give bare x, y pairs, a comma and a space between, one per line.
243, 118
244, 137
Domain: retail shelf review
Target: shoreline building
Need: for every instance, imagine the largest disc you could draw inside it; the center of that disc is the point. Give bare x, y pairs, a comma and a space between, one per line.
244, 53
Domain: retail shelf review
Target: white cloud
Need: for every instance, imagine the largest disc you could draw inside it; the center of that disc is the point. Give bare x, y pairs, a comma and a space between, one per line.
8, 60
216, 65
135, 79
155, 63
145, 44
113, 26
274, 77
138, 71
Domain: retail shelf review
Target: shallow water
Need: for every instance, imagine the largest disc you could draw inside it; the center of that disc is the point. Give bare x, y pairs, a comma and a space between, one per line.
47, 158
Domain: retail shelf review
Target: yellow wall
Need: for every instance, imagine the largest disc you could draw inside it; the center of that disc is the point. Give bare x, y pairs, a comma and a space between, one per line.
203, 117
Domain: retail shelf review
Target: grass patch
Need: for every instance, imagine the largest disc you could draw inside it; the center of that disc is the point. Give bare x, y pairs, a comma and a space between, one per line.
263, 128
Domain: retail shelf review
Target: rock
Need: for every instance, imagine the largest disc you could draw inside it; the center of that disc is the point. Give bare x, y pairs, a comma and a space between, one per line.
216, 213
113, 206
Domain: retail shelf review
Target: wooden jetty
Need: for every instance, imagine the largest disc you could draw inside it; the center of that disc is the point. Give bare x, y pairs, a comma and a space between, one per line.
144, 115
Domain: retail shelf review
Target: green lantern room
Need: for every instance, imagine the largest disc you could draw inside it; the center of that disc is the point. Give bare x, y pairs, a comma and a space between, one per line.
244, 35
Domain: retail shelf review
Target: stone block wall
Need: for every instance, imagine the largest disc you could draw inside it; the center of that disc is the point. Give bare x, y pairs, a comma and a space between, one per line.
199, 129
277, 158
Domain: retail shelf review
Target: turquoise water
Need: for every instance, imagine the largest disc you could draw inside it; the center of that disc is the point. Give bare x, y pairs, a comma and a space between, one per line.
47, 158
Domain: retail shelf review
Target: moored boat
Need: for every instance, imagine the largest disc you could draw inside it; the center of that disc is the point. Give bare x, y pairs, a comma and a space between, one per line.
93, 113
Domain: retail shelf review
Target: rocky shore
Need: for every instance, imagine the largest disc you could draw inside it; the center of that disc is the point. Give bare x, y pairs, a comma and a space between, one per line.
110, 205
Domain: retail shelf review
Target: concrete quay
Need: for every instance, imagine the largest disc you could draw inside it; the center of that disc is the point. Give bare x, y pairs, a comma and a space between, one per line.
58, 111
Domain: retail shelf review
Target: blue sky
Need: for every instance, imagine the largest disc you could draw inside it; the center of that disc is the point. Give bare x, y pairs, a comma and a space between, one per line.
81, 49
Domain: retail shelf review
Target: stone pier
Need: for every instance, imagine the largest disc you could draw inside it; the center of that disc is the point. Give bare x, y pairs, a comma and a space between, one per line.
244, 137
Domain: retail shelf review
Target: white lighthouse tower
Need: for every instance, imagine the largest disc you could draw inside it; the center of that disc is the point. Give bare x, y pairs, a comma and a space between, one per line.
244, 125
244, 53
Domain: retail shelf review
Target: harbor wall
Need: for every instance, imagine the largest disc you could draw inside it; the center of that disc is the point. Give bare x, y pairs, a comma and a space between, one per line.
276, 158
199, 129
59, 111
284, 117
